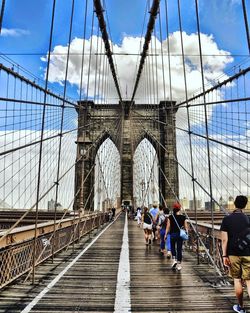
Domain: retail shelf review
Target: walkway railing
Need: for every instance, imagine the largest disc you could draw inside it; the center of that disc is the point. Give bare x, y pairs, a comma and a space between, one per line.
17, 248
205, 233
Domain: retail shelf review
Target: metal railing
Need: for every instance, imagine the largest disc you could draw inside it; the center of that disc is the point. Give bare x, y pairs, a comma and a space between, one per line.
17, 249
205, 233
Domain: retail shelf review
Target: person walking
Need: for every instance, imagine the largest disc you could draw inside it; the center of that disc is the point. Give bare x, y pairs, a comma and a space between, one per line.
113, 213
147, 223
139, 216
176, 222
160, 217
154, 213
162, 224
233, 228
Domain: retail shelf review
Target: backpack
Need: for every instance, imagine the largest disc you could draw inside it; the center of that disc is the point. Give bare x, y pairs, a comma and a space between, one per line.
150, 216
162, 218
242, 242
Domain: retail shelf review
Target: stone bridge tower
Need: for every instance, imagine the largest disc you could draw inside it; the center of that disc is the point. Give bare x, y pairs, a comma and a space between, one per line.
126, 127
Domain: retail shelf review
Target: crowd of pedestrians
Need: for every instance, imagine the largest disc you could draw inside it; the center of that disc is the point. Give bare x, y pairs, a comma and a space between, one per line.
163, 228
167, 230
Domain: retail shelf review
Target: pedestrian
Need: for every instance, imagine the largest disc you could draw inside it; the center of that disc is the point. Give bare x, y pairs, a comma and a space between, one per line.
147, 222
138, 215
154, 213
113, 213
235, 228
176, 222
109, 214
164, 241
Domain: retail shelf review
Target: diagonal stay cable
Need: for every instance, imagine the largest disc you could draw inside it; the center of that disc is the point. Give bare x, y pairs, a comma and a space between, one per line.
105, 37
153, 13
217, 86
246, 23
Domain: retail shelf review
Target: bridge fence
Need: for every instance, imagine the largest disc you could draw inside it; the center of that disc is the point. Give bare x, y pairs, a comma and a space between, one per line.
17, 251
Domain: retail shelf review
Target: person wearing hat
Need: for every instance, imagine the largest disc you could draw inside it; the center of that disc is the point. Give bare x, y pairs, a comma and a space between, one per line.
176, 222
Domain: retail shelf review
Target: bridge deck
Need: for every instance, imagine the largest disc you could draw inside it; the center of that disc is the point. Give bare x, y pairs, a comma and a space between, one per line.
90, 284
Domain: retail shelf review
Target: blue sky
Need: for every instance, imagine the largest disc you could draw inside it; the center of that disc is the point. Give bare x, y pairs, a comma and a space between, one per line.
26, 26
222, 18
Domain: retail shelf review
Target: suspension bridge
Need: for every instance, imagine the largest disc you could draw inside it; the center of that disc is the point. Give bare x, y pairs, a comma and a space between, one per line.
155, 118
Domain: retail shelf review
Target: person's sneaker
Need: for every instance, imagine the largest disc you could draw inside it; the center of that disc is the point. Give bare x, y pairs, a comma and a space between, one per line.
169, 255
178, 267
238, 309
174, 264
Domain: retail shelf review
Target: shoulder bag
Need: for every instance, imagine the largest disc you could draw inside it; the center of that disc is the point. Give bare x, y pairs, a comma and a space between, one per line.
183, 233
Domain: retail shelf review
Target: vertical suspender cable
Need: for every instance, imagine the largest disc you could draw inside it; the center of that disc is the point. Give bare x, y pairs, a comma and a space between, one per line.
159, 125
189, 132
83, 48
162, 59
156, 70
171, 127
102, 25
41, 139
158, 114
206, 125
169, 57
80, 98
96, 67
61, 126
150, 27
90, 54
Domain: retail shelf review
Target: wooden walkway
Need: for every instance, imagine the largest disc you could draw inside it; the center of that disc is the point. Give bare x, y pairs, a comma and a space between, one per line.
90, 284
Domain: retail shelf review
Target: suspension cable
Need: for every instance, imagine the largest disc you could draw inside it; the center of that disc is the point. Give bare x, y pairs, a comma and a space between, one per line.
246, 24
102, 25
2, 14
150, 28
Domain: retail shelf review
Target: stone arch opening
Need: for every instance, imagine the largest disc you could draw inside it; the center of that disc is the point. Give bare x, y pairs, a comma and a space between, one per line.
145, 174
107, 177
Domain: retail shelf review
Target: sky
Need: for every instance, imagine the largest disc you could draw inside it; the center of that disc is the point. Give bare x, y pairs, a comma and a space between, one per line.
26, 27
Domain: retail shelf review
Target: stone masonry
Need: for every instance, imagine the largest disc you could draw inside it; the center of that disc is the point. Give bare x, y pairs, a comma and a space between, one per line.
126, 128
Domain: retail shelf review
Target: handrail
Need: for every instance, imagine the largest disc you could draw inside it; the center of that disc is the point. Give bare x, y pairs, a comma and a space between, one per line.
17, 255
23, 233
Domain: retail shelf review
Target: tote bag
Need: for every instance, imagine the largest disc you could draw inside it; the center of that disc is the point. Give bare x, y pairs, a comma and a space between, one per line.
183, 234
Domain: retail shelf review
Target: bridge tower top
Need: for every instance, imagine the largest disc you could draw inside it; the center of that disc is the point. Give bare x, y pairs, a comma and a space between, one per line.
98, 122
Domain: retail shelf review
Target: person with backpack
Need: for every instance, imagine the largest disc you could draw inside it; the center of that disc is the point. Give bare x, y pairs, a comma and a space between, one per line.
235, 237
147, 224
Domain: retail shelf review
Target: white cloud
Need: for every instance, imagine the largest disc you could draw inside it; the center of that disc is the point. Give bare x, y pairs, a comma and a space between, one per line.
18, 170
229, 172
14, 32
214, 60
